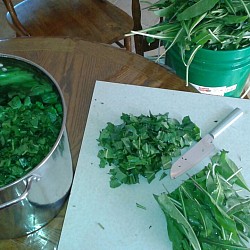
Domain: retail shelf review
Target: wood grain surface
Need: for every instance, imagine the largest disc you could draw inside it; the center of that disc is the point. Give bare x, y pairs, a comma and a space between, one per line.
91, 20
76, 65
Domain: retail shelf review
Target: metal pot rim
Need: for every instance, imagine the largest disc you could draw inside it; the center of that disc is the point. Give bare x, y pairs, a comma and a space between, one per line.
63, 126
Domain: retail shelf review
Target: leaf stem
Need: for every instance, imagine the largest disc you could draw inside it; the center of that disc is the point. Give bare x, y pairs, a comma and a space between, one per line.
228, 179
190, 61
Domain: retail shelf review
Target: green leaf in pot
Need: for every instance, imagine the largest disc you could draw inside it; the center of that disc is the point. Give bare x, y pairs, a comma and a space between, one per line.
30, 122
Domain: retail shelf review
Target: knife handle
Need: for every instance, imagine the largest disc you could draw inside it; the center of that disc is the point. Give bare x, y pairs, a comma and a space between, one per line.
225, 123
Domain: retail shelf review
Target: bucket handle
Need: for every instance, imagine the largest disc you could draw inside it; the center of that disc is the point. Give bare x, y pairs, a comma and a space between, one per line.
23, 195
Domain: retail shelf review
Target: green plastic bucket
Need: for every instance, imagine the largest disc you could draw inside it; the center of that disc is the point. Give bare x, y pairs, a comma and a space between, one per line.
214, 72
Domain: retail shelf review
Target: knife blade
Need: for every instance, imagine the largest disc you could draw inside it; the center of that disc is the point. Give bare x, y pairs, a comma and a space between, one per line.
204, 147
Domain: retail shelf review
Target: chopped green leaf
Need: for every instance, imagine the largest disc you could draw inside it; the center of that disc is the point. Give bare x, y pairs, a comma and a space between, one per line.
100, 225
141, 206
143, 145
163, 176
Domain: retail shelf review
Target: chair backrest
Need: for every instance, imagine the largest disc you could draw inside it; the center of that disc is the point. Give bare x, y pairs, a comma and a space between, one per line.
20, 30
92, 20
21, 16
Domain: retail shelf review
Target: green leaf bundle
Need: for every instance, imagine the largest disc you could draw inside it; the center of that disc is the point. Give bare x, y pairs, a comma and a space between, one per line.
206, 212
211, 24
192, 25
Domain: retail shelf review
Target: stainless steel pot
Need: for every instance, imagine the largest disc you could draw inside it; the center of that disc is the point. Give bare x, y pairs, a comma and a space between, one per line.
33, 200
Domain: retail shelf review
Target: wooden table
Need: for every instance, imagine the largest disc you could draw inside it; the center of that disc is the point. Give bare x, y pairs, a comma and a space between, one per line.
76, 65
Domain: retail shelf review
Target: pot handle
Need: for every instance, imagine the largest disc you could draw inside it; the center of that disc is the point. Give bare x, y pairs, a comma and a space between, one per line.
23, 195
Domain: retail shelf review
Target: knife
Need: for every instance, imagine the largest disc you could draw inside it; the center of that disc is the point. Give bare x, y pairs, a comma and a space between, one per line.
204, 147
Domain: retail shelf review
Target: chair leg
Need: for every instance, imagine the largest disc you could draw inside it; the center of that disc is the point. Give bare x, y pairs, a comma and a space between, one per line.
20, 30
136, 14
139, 45
127, 43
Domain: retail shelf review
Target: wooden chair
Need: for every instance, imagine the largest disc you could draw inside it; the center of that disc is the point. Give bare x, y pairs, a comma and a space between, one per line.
141, 44
91, 20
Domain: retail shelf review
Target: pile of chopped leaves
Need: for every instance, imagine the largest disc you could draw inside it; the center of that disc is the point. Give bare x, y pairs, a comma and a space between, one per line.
143, 145
207, 212
30, 121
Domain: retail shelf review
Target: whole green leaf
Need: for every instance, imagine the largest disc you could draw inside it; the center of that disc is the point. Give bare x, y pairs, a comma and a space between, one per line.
197, 213
220, 215
228, 168
212, 207
179, 241
170, 210
223, 244
239, 207
243, 220
166, 11
232, 19
196, 9
175, 234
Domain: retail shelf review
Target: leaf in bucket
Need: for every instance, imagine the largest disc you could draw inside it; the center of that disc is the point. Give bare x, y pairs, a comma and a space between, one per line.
197, 9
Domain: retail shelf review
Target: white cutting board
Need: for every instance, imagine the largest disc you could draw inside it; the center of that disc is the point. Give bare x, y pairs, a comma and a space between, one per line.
101, 218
